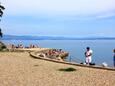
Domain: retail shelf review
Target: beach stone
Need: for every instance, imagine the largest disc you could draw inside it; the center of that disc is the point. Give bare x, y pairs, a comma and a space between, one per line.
104, 64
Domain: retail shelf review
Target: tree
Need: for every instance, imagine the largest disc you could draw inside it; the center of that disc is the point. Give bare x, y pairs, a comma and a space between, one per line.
1, 14
1, 10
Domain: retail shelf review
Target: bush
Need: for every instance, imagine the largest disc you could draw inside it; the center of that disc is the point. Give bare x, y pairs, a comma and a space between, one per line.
2, 47
70, 69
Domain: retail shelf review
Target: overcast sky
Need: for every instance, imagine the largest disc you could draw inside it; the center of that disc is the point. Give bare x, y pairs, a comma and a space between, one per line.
59, 17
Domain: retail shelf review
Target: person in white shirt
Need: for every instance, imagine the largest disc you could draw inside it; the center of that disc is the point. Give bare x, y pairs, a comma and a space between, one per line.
88, 55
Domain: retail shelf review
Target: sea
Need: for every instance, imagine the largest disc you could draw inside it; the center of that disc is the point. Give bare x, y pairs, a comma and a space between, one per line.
102, 49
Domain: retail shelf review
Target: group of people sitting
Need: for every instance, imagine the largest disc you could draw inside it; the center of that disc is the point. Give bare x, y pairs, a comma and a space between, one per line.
55, 52
12, 46
52, 54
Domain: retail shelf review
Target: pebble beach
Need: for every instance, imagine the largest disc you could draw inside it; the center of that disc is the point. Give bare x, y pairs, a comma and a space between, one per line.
20, 69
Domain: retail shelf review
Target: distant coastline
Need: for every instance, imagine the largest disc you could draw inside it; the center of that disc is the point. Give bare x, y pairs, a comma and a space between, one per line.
14, 37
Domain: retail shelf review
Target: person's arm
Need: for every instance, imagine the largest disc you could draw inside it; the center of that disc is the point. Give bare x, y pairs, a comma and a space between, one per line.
90, 53
85, 54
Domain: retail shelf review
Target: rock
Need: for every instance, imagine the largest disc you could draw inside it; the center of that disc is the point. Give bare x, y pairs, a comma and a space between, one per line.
104, 64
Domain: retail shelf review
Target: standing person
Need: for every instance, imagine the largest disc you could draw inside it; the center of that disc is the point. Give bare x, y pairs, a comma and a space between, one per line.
88, 55
114, 57
1, 34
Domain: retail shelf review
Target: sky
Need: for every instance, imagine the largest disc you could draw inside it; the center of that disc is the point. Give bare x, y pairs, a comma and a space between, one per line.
59, 17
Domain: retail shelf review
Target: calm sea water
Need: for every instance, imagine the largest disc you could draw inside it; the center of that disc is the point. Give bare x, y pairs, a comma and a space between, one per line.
102, 49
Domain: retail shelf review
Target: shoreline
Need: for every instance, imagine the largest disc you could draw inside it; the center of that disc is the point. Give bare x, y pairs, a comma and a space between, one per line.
34, 55
41, 55
77, 51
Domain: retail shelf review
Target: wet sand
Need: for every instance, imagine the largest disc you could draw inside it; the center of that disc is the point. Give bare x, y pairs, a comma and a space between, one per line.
19, 69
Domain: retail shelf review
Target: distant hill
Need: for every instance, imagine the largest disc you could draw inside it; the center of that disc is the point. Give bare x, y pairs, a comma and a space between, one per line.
14, 37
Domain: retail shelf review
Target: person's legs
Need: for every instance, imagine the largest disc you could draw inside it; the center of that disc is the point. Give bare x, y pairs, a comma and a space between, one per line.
88, 60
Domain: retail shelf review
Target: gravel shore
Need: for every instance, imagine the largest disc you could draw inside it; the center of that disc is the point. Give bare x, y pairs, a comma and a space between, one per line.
19, 69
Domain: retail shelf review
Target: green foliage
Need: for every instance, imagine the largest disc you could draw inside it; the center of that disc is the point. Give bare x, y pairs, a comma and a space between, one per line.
2, 47
70, 69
